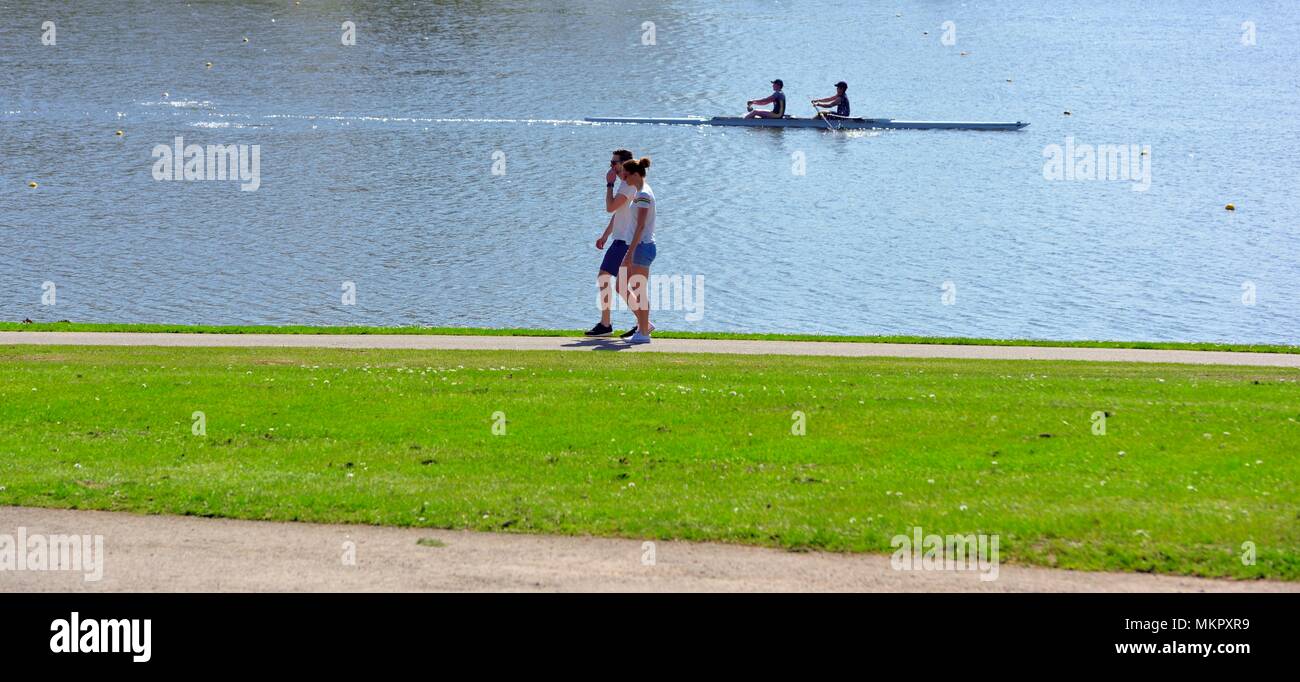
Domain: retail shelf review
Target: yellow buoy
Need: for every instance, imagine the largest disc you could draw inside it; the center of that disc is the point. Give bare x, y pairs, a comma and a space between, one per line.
1231, 207
245, 39
208, 64
32, 184
119, 133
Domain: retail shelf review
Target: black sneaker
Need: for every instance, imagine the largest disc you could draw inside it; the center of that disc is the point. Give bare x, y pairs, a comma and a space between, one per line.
629, 333
600, 330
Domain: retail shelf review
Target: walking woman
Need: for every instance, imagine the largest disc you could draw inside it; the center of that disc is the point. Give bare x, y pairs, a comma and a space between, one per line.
641, 248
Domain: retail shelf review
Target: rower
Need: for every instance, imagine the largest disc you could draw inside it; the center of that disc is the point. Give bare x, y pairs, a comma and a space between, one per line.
776, 99
840, 101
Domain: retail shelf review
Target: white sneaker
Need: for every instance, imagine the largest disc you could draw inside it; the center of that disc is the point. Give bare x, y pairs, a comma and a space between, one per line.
639, 338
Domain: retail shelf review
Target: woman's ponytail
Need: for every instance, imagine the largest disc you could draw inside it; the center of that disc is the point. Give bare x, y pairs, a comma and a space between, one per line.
638, 167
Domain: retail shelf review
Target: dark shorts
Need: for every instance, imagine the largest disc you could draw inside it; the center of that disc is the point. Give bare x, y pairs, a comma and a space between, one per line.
614, 257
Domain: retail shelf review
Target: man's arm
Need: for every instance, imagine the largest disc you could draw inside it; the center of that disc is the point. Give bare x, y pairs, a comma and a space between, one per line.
610, 197
612, 202
611, 177
609, 227
766, 100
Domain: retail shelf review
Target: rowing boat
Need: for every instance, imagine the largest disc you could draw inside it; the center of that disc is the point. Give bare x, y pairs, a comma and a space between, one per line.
833, 123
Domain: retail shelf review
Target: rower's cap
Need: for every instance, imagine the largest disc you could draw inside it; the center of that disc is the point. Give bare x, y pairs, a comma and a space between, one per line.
778, 82
842, 84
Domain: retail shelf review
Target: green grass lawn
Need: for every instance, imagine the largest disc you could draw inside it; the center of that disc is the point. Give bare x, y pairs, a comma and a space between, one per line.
666, 334
1195, 461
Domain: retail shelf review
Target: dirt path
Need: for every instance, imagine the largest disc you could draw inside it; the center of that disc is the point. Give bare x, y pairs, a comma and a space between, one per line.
436, 342
180, 553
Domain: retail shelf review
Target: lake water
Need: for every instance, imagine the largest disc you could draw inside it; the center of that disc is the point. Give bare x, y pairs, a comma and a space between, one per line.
377, 164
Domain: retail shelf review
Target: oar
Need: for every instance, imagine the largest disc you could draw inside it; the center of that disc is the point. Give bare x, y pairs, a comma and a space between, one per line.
827, 119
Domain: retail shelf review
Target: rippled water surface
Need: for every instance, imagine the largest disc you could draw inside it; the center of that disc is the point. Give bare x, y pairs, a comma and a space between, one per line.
376, 164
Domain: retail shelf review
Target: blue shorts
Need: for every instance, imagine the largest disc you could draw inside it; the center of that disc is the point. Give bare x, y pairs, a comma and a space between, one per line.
645, 254
614, 257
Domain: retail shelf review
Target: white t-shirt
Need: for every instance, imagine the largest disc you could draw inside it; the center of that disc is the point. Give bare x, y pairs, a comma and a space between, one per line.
644, 199
624, 223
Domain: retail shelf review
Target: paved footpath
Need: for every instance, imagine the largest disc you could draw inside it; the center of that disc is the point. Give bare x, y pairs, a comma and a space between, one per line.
841, 349
185, 553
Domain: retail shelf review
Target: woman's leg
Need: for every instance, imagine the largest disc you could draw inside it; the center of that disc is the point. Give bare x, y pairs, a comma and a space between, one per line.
639, 275
626, 290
